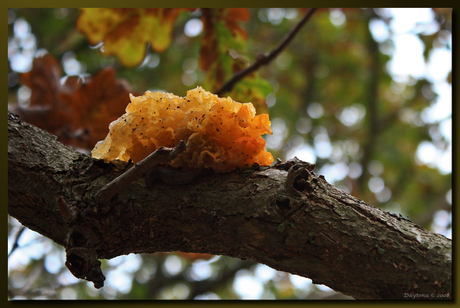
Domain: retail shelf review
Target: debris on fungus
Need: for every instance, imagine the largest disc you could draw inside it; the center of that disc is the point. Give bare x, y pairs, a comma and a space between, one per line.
221, 134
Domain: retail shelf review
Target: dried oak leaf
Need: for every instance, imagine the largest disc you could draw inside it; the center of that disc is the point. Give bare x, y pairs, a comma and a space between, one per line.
233, 16
78, 110
126, 32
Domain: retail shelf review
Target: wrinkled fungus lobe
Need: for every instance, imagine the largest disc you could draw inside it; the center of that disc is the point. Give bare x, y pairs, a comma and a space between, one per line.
221, 134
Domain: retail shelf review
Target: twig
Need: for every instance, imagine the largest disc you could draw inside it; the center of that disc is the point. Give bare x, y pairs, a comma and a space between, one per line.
266, 58
374, 128
16, 240
160, 156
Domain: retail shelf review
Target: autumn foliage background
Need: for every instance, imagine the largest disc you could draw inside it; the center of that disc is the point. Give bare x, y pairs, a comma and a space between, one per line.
330, 94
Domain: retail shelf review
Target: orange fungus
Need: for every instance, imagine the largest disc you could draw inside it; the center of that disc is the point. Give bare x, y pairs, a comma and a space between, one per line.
221, 134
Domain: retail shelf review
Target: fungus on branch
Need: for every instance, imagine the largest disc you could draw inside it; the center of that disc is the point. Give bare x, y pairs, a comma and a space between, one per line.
221, 134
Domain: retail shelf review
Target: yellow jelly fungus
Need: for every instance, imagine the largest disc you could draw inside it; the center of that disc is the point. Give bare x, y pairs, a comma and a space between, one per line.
221, 134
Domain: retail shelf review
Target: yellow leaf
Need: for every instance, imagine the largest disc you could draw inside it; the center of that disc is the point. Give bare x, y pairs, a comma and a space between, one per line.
126, 32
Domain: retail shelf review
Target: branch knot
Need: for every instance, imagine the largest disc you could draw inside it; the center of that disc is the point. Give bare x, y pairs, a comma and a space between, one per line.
82, 262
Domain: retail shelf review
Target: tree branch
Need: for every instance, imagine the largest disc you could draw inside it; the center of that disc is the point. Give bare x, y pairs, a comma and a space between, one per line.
284, 216
266, 58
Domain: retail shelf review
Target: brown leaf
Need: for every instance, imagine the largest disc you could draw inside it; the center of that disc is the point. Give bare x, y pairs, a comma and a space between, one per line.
222, 55
209, 44
45, 109
233, 16
79, 110
215, 59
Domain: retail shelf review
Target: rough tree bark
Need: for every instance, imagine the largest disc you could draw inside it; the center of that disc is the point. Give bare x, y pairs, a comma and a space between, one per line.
284, 216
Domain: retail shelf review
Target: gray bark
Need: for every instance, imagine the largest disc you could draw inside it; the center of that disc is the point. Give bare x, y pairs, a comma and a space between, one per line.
283, 216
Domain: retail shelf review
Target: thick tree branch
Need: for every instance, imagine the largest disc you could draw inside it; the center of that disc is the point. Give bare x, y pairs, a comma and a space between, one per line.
266, 58
283, 216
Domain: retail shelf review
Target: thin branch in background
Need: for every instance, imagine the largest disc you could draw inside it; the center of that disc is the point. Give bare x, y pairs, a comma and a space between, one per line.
16, 240
266, 58
373, 129
26, 290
